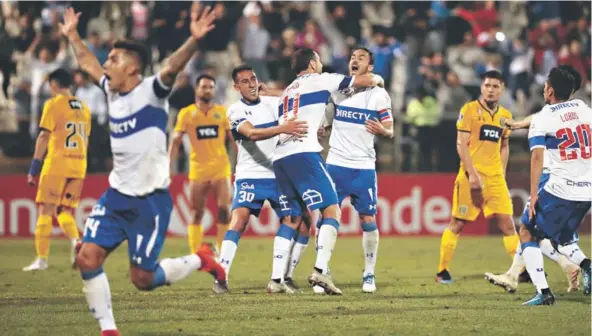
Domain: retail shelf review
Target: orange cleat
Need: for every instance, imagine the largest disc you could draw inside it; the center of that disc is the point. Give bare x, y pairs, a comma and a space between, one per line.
209, 264
111, 332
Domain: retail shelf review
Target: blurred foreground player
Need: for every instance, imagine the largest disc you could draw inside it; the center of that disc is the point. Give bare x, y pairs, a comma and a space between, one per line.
360, 115
65, 128
556, 211
206, 125
137, 206
480, 185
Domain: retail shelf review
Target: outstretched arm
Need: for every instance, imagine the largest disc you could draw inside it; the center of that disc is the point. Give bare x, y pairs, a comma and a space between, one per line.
291, 126
519, 124
199, 27
86, 59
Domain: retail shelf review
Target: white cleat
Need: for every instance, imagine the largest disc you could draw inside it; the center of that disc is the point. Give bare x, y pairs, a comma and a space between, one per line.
504, 281
369, 284
572, 272
318, 290
38, 265
276, 288
324, 281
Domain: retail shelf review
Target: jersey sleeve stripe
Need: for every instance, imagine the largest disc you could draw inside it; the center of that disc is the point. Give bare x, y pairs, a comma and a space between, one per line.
537, 141
102, 83
160, 90
346, 82
552, 142
236, 124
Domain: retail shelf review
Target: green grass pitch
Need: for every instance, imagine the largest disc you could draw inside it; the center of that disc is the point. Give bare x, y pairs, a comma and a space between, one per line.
408, 301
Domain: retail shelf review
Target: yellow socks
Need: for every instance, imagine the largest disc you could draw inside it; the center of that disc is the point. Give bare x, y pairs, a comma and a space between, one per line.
68, 225
195, 234
511, 244
220, 233
42, 236
447, 247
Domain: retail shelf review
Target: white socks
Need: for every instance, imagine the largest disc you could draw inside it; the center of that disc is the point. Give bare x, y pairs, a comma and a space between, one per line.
228, 250
98, 296
534, 265
517, 263
573, 253
297, 250
281, 250
176, 269
326, 243
370, 239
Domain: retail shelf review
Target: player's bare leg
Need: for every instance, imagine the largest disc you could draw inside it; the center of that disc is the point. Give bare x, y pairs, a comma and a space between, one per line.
238, 225
223, 194
199, 196
370, 240
447, 247
42, 237
533, 258
298, 246
327, 238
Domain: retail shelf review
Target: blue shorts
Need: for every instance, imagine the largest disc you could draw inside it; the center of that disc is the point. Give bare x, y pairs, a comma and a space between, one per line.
142, 221
252, 194
303, 181
556, 218
358, 184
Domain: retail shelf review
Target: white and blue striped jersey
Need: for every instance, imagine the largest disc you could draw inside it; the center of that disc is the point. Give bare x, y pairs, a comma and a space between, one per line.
306, 98
351, 145
564, 131
255, 158
138, 120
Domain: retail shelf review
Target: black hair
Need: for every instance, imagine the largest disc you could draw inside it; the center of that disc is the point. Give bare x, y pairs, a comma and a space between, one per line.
301, 59
576, 75
204, 76
370, 54
562, 83
493, 74
62, 77
239, 69
137, 49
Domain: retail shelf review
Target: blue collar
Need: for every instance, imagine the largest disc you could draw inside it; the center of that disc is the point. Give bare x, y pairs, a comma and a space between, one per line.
248, 103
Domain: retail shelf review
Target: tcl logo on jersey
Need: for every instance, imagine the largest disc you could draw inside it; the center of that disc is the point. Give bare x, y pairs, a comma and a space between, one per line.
75, 104
207, 132
490, 133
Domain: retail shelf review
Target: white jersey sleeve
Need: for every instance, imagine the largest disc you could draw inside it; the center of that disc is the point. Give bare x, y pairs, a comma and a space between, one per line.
384, 105
335, 82
236, 117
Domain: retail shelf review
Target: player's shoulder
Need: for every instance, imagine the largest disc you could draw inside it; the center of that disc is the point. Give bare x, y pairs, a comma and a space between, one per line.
504, 112
269, 100
217, 108
187, 110
470, 106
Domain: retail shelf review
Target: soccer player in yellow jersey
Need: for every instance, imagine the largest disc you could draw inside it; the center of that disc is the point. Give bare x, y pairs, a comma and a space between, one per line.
208, 129
482, 145
65, 127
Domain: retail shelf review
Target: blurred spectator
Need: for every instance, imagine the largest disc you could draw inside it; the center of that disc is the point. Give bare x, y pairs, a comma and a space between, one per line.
571, 54
346, 16
255, 43
272, 18
463, 59
432, 71
298, 13
438, 13
520, 66
96, 45
513, 18
27, 33
167, 16
7, 66
482, 19
379, 13
385, 51
311, 37
138, 22
451, 97
581, 32
423, 112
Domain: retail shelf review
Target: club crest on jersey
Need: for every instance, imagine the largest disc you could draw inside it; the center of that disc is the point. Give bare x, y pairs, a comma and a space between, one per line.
207, 132
490, 133
217, 116
462, 210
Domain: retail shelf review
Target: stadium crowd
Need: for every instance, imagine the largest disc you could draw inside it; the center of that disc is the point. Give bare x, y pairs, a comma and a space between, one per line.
431, 55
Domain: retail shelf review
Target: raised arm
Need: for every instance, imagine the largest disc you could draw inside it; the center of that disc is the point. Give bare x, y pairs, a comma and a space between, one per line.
176, 140
199, 27
86, 59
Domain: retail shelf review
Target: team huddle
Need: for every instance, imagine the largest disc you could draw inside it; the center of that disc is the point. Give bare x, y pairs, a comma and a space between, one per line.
276, 134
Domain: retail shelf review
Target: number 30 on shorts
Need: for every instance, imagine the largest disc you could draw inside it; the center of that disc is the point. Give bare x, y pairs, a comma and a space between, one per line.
244, 196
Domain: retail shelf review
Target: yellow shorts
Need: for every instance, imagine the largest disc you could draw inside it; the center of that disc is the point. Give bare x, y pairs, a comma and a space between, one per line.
206, 174
60, 191
496, 198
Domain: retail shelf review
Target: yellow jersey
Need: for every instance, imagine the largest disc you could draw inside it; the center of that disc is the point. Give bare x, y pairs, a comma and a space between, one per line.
486, 135
207, 133
68, 120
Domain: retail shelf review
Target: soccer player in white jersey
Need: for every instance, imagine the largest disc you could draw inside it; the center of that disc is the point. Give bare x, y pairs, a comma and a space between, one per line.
137, 205
360, 115
517, 272
557, 210
299, 169
254, 125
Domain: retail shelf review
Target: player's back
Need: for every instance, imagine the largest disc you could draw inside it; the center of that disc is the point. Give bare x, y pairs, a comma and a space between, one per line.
305, 98
486, 136
137, 120
69, 121
254, 158
564, 130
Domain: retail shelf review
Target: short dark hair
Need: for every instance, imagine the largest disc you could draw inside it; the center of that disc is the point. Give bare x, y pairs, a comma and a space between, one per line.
576, 75
239, 69
370, 54
301, 59
204, 76
562, 83
135, 48
493, 74
62, 77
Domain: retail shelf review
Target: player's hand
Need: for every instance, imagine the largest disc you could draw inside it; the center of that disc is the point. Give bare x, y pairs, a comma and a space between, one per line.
507, 123
70, 25
262, 88
476, 189
375, 127
531, 209
378, 80
202, 23
295, 127
31, 180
